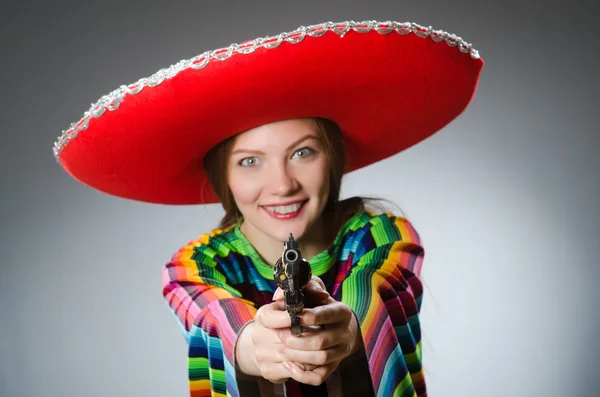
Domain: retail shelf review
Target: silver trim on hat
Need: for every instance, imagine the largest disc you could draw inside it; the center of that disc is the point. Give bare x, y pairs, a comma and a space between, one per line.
112, 100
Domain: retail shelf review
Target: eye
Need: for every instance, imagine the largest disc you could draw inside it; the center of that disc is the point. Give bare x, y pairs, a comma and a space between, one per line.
248, 161
306, 151
252, 161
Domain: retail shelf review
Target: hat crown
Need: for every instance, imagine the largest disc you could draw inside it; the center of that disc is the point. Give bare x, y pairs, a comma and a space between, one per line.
112, 100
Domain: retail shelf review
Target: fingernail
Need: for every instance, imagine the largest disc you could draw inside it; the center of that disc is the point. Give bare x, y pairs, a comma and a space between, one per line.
278, 294
280, 335
287, 366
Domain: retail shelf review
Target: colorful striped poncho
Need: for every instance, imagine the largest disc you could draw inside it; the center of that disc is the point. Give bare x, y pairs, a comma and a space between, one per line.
215, 284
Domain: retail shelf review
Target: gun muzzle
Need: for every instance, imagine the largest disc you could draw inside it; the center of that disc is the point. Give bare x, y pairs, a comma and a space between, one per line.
292, 273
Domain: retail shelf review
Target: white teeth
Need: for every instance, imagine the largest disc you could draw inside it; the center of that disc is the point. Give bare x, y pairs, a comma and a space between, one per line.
285, 209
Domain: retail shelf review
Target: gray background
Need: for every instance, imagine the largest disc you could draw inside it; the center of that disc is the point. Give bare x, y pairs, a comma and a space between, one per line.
505, 198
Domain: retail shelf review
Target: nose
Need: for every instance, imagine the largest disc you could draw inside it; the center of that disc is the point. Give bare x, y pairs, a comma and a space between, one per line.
282, 180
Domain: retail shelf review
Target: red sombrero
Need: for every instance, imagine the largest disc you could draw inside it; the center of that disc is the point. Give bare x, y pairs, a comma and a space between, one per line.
388, 85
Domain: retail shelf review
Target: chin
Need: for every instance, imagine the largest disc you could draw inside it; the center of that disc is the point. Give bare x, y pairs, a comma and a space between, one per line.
282, 232
281, 229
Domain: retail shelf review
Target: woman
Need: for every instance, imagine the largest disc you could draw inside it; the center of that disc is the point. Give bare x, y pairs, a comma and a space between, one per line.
268, 128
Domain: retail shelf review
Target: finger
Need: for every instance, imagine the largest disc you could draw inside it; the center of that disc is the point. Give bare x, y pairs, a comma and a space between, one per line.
268, 353
314, 377
314, 340
315, 358
331, 313
273, 315
304, 367
285, 333
275, 372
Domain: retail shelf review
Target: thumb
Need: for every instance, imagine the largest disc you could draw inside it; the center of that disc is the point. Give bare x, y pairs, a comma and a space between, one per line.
316, 295
278, 295
318, 281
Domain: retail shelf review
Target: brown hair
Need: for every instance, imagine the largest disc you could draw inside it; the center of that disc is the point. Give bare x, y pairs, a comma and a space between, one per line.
216, 165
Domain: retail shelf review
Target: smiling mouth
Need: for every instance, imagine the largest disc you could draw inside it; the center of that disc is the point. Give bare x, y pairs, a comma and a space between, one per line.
285, 211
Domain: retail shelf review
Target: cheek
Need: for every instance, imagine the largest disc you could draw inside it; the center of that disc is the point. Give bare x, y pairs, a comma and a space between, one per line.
243, 189
325, 185
319, 184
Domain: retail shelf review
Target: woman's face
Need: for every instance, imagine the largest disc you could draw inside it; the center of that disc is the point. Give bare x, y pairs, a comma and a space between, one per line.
274, 164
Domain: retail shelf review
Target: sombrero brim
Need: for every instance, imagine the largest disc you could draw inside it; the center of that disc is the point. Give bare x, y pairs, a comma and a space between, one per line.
387, 85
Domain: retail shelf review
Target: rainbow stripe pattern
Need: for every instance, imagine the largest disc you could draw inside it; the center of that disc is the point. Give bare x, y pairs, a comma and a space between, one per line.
215, 284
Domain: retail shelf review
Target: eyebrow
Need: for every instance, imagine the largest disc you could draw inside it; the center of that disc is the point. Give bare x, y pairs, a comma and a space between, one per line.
288, 148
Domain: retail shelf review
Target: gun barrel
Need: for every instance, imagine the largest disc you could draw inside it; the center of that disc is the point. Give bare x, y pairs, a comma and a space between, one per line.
291, 255
292, 273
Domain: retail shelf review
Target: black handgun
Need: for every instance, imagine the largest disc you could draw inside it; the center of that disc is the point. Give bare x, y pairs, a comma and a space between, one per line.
292, 273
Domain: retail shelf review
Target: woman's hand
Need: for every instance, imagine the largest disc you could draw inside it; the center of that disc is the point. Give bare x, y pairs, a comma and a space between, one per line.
330, 334
265, 345
257, 351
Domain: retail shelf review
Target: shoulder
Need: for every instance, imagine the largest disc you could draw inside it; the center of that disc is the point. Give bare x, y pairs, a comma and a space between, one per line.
384, 240
207, 247
368, 230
